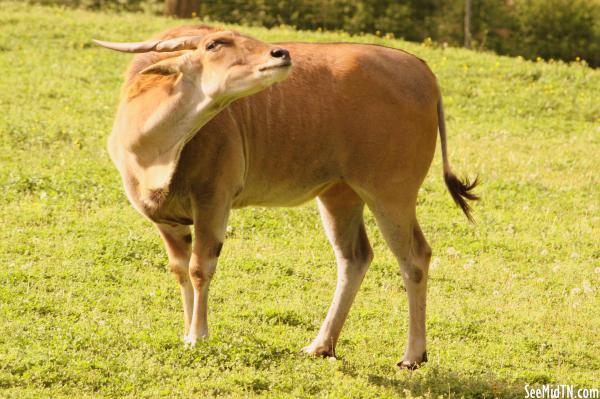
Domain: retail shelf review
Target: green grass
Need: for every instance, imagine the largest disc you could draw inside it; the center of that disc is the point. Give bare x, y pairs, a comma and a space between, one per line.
88, 308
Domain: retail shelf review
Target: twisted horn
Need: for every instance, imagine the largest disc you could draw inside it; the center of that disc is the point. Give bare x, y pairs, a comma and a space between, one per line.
175, 44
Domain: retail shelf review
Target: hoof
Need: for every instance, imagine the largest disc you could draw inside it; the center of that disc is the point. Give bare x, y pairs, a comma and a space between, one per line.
193, 337
189, 342
319, 350
413, 364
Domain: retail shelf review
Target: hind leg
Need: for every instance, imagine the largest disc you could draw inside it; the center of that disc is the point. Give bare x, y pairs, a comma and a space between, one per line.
405, 239
342, 215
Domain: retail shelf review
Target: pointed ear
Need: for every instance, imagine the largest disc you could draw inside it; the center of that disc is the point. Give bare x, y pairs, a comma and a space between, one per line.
170, 66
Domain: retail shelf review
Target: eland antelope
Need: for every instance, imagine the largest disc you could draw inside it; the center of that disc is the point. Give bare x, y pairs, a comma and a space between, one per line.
349, 124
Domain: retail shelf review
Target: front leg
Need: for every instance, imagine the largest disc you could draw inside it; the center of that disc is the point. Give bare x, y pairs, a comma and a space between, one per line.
177, 239
210, 223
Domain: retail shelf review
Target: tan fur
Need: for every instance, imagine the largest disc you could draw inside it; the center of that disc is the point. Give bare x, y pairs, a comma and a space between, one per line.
353, 124
142, 83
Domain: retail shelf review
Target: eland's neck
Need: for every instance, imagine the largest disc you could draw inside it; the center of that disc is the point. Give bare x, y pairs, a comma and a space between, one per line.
150, 133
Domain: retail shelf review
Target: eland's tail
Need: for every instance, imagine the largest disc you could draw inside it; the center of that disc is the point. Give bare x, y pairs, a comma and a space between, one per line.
461, 190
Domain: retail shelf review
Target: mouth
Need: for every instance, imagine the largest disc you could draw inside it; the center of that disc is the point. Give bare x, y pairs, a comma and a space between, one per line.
284, 64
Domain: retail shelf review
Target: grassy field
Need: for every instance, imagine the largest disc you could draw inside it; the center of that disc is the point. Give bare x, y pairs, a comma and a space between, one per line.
88, 308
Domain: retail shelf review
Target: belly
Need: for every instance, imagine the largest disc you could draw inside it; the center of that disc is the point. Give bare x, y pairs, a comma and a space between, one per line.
280, 196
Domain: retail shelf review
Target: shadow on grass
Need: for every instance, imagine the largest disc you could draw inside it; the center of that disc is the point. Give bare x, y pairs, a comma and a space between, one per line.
435, 381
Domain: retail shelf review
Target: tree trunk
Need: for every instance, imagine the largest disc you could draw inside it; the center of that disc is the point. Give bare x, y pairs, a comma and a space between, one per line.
468, 23
182, 8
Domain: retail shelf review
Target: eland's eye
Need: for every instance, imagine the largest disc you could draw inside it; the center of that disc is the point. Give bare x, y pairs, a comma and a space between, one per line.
216, 44
212, 46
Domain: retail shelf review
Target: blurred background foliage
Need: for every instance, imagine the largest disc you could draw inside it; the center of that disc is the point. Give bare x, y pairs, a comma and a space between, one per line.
549, 29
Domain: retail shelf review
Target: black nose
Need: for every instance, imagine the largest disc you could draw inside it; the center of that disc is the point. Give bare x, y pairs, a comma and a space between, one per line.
280, 53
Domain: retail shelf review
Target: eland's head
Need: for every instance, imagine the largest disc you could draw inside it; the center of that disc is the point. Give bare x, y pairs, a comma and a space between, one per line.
223, 64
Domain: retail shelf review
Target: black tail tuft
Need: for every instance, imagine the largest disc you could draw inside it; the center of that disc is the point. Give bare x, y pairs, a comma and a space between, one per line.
461, 191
